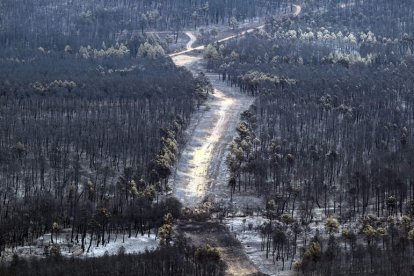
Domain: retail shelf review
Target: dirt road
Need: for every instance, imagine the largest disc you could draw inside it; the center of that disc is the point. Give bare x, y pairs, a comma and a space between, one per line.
202, 164
201, 170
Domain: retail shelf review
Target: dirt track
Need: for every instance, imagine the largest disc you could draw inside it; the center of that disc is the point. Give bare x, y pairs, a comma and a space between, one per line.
201, 170
218, 236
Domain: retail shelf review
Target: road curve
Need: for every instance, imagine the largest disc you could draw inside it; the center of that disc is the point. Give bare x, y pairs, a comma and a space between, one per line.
189, 48
298, 10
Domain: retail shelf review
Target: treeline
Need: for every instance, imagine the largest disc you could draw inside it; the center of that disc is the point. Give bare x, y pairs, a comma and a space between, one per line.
54, 24
180, 259
374, 30
384, 18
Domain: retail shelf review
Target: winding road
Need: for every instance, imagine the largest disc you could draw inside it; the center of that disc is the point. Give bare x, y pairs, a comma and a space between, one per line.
189, 48
201, 171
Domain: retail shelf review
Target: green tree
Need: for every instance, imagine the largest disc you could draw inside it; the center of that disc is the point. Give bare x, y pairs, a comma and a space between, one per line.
234, 23
369, 233
331, 225
211, 53
214, 32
